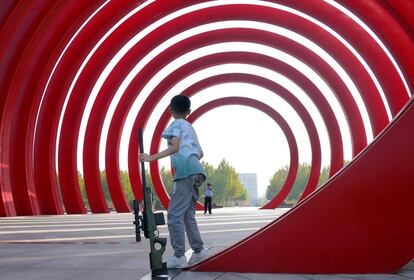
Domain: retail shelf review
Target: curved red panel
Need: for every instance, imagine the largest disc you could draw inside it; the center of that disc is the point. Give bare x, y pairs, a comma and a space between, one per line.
394, 90
32, 62
6, 7
98, 25
394, 26
347, 210
350, 232
16, 31
354, 233
13, 47
47, 107
67, 154
53, 100
403, 12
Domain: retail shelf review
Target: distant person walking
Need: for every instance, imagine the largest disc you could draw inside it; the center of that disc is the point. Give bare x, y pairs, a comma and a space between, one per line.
208, 197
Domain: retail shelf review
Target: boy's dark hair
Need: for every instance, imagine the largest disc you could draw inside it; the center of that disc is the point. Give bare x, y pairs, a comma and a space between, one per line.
180, 104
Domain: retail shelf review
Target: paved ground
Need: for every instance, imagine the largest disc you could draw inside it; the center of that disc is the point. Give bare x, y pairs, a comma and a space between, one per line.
103, 247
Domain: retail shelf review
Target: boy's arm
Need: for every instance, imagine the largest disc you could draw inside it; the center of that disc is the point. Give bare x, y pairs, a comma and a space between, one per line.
172, 149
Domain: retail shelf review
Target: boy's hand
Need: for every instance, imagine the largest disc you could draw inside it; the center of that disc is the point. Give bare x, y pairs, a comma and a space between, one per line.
144, 157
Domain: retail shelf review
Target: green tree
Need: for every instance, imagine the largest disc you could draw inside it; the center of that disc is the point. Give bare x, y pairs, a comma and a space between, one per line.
130, 194
105, 189
278, 179
276, 182
227, 187
126, 185
82, 189
324, 176
167, 179
300, 182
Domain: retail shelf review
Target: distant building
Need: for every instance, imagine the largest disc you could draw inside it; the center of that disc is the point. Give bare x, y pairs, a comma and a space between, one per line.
249, 180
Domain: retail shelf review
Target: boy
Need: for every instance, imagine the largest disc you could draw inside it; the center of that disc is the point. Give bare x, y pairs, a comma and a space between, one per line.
185, 152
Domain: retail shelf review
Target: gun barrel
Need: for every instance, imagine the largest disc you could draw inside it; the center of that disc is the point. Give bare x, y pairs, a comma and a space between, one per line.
137, 221
150, 221
141, 149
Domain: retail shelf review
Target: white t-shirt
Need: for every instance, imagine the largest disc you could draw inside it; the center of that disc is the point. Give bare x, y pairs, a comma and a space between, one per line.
186, 161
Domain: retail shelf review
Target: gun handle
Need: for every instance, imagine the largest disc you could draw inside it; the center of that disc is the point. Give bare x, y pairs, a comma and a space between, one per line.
158, 245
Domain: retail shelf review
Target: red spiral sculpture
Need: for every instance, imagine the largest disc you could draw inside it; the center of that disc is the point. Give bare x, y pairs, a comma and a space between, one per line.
67, 61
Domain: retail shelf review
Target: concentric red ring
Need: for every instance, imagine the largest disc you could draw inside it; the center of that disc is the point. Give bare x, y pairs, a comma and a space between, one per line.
32, 120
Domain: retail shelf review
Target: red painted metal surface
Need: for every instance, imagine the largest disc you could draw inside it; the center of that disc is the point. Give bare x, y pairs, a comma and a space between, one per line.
13, 47
69, 133
33, 62
350, 231
394, 90
355, 231
47, 104
344, 215
392, 22
402, 11
53, 100
6, 7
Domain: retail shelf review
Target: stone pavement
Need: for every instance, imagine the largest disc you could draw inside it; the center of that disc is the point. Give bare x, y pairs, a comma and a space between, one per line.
102, 246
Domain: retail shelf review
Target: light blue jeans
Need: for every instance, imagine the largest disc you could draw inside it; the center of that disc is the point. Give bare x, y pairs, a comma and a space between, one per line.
181, 214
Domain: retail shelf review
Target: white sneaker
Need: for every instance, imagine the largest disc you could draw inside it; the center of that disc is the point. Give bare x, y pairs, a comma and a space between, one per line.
175, 262
197, 257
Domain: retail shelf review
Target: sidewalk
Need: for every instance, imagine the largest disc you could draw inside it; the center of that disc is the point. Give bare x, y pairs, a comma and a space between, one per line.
89, 247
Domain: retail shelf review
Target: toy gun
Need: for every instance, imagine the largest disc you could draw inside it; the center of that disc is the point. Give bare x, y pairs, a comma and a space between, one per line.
148, 222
